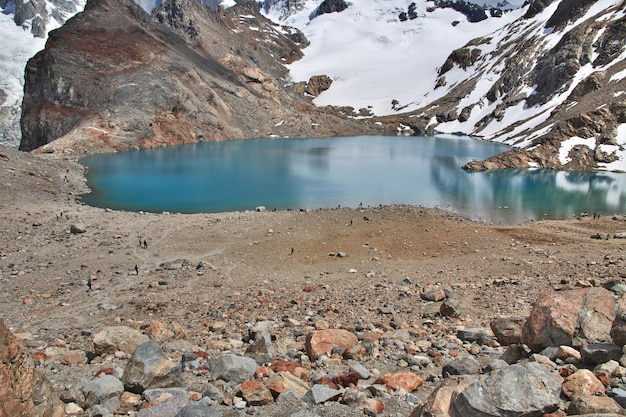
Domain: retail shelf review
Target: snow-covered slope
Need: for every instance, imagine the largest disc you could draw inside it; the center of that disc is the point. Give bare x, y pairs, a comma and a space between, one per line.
17, 45
374, 58
535, 77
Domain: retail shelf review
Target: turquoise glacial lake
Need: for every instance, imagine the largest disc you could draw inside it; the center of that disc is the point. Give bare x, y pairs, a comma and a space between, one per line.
344, 171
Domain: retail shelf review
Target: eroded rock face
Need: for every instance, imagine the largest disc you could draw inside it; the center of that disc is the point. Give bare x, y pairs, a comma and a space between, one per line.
115, 78
23, 391
496, 395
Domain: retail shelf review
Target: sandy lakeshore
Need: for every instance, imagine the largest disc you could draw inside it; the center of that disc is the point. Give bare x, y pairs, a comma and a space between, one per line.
351, 267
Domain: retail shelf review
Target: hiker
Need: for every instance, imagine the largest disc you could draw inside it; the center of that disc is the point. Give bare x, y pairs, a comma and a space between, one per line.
140, 242
89, 285
136, 270
145, 244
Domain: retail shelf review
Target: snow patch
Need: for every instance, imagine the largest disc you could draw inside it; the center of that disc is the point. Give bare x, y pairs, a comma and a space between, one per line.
569, 144
618, 76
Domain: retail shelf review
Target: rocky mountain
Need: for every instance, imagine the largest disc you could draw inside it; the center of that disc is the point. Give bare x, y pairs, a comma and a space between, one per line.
116, 78
552, 85
547, 79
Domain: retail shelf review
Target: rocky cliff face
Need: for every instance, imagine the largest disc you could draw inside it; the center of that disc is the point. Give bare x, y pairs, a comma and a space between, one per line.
115, 78
540, 84
24, 391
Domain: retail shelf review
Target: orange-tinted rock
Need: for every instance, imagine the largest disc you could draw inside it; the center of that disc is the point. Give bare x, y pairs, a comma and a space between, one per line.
282, 365
263, 372
323, 341
255, 393
326, 380
582, 382
159, 332
284, 381
403, 379
593, 405
373, 406
73, 357
439, 401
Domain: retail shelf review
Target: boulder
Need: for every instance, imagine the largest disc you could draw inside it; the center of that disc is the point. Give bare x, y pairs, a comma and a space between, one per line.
149, 368
330, 6
558, 317
109, 340
403, 379
597, 353
78, 228
440, 399
319, 394
479, 335
465, 366
255, 393
373, 406
168, 408
508, 330
283, 381
451, 307
436, 294
318, 84
618, 327
593, 404
324, 341
104, 391
230, 367
520, 389
582, 382
200, 408
24, 391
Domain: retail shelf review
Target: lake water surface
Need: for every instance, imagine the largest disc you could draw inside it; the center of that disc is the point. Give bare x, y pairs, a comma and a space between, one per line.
346, 171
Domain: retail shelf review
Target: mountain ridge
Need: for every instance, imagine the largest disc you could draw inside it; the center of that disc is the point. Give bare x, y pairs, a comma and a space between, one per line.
548, 80
158, 84
557, 63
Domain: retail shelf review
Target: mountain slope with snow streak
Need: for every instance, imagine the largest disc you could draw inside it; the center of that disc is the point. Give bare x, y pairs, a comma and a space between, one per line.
532, 78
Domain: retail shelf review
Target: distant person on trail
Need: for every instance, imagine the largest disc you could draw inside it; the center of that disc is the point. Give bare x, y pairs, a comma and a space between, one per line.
136, 270
145, 244
140, 242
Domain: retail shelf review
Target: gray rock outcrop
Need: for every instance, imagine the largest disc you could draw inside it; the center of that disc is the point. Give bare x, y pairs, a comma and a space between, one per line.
231, 367
499, 394
149, 368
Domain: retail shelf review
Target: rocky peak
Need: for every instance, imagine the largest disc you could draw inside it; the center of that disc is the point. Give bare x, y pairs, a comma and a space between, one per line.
34, 13
113, 78
330, 6
568, 11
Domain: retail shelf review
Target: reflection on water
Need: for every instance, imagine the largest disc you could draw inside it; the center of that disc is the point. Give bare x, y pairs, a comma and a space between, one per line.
324, 173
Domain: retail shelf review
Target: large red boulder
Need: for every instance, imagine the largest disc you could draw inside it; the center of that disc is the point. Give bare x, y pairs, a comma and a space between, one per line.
559, 317
324, 341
